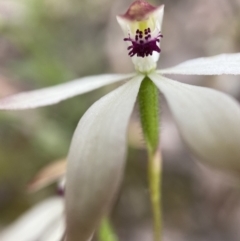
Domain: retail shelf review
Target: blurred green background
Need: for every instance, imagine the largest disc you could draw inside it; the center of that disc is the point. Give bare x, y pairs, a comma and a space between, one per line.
48, 42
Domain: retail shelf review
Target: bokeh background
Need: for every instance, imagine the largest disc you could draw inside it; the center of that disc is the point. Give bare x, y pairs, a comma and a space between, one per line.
48, 42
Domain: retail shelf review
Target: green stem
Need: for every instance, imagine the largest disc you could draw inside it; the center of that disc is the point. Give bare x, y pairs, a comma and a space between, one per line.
154, 177
149, 113
106, 232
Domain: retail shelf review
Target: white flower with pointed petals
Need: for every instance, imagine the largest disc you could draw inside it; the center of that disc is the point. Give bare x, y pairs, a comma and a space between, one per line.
209, 121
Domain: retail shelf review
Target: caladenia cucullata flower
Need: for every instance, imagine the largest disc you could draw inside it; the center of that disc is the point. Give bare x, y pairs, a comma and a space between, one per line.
208, 121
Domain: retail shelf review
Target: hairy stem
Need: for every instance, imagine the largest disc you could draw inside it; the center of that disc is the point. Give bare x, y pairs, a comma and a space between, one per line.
149, 113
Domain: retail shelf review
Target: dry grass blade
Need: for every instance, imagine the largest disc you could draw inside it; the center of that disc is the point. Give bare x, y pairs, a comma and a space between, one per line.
49, 174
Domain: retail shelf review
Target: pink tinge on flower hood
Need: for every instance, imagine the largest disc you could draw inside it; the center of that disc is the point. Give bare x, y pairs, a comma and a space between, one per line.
138, 11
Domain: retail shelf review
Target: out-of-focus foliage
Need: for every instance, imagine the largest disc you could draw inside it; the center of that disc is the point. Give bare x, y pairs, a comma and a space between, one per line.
45, 42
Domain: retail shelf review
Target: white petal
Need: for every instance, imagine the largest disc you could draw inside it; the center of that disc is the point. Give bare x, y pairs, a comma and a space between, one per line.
33, 224
208, 120
216, 65
158, 15
96, 160
55, 94
55, 232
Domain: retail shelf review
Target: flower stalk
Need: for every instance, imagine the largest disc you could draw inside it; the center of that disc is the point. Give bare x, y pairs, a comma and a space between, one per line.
149, 113
106, 232
154, 178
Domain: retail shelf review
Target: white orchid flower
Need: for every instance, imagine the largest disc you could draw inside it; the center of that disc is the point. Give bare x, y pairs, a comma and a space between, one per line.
209, 121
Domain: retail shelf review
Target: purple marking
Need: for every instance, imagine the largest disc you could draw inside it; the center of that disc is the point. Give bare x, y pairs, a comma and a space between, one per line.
143, 46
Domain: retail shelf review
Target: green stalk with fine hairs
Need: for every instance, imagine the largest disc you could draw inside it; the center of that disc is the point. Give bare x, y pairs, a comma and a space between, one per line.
149, 113
106, 232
